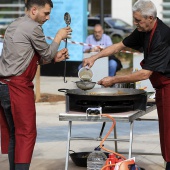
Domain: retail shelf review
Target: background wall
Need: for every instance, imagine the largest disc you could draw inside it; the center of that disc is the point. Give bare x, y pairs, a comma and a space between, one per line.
159, 7
123, 9
78, 13
95, 8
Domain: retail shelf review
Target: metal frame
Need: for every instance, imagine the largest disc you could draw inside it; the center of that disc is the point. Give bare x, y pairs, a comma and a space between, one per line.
127, 117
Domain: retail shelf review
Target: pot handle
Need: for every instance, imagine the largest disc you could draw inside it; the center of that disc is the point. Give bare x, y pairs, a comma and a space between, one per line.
63, 90
72, 151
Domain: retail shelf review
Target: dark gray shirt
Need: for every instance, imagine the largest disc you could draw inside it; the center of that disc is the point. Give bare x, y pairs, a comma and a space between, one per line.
23, 38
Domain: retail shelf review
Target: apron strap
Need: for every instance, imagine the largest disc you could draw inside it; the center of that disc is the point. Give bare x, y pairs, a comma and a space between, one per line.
152, 33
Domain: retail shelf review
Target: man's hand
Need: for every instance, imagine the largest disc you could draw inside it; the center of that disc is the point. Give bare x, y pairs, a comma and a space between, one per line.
89, 61
107, 81
61, 55
95, 49
62, 34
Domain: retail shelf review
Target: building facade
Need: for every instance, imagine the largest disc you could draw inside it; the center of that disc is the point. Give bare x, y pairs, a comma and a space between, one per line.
122, 9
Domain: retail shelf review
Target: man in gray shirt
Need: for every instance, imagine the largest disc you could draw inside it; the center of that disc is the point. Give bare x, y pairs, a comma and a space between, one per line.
24, 48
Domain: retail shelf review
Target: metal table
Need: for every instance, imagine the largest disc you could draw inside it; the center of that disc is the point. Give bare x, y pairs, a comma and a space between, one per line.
128, 117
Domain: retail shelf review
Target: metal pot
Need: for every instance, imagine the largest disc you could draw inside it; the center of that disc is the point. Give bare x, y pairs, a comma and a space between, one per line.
85, 85
113, 92
80, 100
80, 158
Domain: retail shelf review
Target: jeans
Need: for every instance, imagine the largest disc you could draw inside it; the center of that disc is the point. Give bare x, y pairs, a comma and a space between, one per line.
6, 105
112, 67
168, 166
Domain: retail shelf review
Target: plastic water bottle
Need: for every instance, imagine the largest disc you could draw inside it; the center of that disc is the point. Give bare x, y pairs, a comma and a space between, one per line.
138, 83
96, 159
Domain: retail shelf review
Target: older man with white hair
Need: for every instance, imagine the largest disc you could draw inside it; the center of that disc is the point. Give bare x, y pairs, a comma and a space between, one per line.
152, 37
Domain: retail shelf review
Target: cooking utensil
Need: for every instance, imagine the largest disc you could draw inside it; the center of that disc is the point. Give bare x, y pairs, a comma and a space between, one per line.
105, 92
110, 99
80, 158
85, 74
85, 85
67, 19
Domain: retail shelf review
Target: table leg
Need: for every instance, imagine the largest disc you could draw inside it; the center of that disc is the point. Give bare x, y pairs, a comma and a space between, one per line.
131, 138
101, 132
115, 137
68, 144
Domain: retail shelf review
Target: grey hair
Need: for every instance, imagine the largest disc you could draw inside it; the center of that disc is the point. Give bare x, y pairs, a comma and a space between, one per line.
146, 8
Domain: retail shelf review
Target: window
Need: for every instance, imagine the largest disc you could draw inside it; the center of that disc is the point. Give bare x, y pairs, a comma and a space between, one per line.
93, 22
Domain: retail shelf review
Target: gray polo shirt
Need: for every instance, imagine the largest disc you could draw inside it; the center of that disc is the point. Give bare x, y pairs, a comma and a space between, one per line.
23, 38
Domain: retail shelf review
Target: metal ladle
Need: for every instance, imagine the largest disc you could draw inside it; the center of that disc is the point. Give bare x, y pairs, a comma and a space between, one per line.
67, 19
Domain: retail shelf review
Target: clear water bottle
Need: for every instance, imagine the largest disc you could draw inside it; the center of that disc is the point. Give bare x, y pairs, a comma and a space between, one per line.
96, 159
138, 83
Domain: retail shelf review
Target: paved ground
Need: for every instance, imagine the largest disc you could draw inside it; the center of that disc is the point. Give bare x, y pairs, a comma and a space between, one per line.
50, 149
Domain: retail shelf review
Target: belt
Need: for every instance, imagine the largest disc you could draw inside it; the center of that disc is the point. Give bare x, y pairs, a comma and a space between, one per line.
1, 83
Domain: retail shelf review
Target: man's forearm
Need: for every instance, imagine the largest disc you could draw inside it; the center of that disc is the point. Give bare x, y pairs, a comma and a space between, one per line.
58, 39
113, 49
134, 77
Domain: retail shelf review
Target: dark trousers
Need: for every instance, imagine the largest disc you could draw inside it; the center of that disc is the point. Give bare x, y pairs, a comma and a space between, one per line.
168, 166
6, 104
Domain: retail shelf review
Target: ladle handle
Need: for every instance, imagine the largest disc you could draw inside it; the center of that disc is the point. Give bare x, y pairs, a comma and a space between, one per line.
72, 151
63, 90
65, 81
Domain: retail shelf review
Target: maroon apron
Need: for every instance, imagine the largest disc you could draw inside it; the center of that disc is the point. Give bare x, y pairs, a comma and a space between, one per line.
23, 111
162, 87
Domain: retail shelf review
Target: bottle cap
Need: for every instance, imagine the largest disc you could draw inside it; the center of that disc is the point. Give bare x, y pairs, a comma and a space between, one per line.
97, 149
